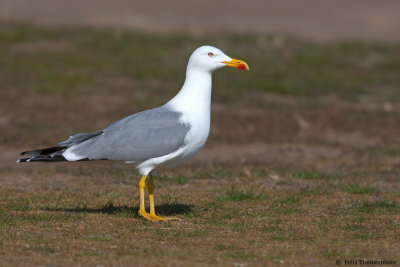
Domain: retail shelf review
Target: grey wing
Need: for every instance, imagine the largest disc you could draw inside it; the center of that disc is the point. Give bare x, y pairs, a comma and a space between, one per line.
148, 134
79, 138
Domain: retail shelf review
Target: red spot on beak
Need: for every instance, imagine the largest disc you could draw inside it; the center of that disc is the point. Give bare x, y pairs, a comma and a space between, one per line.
242, 67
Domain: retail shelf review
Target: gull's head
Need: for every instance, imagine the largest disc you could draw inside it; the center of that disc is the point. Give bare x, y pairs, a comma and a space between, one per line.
208, 58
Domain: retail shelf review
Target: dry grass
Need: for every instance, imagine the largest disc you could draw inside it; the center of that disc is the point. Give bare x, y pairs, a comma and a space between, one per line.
87, 216
302, 166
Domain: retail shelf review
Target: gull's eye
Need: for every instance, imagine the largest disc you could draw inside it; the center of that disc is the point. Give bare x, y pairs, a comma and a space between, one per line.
210, 54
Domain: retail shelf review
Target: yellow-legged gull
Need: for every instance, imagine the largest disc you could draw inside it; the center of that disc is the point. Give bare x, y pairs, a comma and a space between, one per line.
162, 137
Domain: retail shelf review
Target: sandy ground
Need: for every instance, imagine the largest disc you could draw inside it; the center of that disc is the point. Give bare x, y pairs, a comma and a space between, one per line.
314, 19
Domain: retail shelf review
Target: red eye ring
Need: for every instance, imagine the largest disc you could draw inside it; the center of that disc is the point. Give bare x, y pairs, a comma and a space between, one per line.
210, 54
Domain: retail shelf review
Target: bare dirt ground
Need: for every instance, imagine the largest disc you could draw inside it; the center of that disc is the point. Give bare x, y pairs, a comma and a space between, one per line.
315, 19
301, 167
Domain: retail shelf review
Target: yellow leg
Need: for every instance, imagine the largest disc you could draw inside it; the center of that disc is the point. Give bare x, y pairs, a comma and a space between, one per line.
151, 196
142, 210
142, 185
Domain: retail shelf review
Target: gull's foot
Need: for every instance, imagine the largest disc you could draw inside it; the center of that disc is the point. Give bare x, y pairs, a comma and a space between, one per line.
153, 217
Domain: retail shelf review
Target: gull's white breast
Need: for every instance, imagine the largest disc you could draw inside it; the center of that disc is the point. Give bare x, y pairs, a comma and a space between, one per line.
199, 121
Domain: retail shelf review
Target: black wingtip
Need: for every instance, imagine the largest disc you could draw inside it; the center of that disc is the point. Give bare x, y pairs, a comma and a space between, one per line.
45, 158
23, 160
43, 151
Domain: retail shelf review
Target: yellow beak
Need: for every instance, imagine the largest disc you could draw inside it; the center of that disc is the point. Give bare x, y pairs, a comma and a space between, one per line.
237, 63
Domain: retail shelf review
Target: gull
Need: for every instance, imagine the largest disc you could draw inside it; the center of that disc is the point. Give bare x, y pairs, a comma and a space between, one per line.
156, 138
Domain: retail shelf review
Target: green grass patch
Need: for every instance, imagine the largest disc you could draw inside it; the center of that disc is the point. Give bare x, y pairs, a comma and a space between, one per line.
12, 218
353, 227
198, 233
378, 206
315, 191
357, 189
286, 210
234, 194
291, 200
21, 205
287, 205
365, 235
382, 151
358, 229
393, 226
238, 227
179, 179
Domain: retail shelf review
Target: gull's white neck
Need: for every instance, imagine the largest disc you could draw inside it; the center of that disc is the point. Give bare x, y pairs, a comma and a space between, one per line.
195, 93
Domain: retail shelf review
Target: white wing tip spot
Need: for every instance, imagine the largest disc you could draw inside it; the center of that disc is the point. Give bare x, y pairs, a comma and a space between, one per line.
71, 156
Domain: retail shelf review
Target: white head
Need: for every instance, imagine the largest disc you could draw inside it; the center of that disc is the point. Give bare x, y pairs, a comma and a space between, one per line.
208, 58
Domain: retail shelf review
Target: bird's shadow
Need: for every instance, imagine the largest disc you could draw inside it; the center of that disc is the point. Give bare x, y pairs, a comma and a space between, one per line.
164, 209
